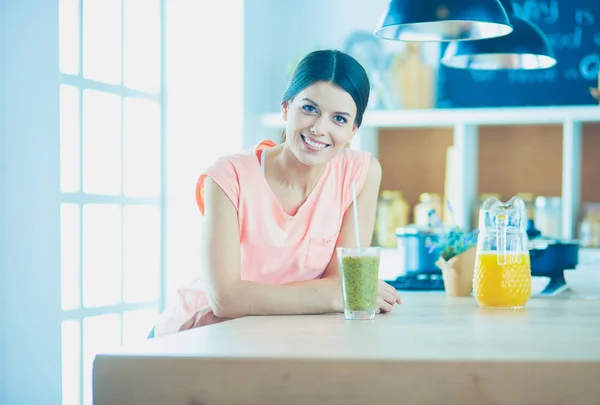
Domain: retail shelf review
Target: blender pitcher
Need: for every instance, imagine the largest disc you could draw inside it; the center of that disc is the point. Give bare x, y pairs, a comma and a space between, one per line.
502, 276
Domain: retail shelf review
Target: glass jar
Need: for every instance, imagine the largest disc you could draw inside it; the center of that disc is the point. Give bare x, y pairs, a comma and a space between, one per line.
392, 213
548, 216
589, 228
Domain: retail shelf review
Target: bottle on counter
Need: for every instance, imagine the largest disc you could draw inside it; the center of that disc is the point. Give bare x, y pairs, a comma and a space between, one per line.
589, 228
529, 199
548, 216
392, 213
427, 202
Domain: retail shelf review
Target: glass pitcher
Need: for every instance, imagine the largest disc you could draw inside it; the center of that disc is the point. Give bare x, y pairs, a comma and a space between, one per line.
502, 276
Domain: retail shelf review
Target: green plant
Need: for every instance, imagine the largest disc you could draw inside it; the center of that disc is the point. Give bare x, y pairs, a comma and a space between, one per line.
453, 240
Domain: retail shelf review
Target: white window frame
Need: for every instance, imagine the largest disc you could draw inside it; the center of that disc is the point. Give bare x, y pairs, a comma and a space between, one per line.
80, 198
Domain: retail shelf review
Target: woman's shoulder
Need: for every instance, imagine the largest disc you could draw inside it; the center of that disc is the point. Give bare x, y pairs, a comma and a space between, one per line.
224, 172
229, 161
240, 160
355, 166
227, 170
353, 158
350, 153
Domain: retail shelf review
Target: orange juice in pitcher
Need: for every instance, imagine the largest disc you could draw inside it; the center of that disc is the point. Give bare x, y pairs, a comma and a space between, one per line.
502, 266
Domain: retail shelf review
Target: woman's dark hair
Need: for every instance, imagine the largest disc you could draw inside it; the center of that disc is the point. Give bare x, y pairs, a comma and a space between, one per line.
335, 67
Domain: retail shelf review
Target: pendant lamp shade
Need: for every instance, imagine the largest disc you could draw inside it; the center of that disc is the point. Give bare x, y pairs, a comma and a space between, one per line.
443, 20
526, 47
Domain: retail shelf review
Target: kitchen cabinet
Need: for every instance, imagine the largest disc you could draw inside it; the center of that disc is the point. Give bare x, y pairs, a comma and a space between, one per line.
488, 142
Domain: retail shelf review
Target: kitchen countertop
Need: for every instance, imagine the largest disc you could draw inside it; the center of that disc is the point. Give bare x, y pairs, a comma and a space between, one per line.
431, 349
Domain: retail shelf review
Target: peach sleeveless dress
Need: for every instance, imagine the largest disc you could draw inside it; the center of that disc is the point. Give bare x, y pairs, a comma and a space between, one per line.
276, 248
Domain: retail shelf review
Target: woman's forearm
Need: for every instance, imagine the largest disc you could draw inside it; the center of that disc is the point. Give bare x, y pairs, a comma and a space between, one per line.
245, 298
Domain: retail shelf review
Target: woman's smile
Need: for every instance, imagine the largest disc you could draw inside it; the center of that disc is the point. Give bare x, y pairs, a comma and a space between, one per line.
313, 144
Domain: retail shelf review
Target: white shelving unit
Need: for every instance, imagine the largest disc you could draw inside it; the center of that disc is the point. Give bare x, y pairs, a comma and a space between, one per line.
466, 123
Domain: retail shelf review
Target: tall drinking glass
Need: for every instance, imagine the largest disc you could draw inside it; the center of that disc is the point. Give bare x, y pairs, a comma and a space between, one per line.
359, 268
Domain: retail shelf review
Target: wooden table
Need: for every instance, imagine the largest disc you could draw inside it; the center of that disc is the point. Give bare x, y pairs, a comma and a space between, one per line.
431, 350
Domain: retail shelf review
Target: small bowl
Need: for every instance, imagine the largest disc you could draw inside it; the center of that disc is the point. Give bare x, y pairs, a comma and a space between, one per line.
584, 282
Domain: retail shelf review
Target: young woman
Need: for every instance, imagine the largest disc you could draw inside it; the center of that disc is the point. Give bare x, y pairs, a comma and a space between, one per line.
274, 214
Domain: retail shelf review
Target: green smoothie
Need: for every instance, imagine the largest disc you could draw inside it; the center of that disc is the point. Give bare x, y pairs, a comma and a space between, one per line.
360, 278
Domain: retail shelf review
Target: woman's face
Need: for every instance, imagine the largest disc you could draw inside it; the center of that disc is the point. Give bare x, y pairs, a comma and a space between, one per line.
320, 120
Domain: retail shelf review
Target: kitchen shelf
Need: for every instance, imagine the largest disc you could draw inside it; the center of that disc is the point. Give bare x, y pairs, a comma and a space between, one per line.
464, 124
473, 116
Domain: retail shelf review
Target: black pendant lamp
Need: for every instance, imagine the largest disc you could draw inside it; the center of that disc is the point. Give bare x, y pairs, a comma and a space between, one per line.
443, 20
526, 47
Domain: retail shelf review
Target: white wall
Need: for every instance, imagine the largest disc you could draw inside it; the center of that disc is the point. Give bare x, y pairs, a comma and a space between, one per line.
30, 285
3, 212
279, 33
203, 119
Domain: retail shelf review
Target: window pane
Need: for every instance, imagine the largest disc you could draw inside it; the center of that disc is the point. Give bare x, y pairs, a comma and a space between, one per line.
101, 255
70, 255
68, 32
71, 363
102, 31
141, 39
101, 143
141, 148
137, 324
100, 334
69, 139
141, 253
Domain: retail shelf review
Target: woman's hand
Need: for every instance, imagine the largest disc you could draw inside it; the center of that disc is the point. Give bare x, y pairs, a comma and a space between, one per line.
387, 296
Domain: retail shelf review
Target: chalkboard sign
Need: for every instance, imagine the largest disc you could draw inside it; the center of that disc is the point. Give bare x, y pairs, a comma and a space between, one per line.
573, 29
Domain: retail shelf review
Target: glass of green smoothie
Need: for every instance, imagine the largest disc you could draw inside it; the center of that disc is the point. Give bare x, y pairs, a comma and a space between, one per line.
359, 269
